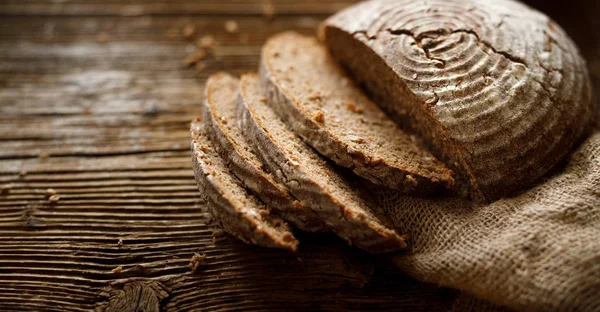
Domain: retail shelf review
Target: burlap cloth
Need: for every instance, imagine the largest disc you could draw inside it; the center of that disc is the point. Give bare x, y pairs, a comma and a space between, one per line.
539, 251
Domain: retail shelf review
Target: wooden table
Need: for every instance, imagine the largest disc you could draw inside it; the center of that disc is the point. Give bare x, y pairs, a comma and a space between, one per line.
95, 103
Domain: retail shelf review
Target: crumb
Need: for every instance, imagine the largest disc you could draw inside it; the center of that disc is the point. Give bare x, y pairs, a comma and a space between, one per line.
268, 9
218, 233
5, 188
415, 76
232, 26
200, 66
206, 42
43, 155
263, 99
54, 199
410, 179
23, 172
120, 242
188, 31
319, 117
196, 261
50, 192
194, 58
117, 270
102, 37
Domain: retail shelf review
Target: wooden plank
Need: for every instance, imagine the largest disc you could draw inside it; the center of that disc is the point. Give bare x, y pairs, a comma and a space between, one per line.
157, 7
105, 124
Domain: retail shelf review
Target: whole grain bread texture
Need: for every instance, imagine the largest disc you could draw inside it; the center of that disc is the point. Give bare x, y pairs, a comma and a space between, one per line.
237, 211
313, 95
310, 177
219, 114
496, 89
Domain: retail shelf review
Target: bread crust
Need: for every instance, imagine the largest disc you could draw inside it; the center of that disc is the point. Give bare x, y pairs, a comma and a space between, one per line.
376, 150
221, 91
310, 178
241, 214
496, 89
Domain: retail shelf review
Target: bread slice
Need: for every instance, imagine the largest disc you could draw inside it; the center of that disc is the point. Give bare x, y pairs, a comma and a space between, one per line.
311, 93
310, 177
495, 88
219, 115
238, 212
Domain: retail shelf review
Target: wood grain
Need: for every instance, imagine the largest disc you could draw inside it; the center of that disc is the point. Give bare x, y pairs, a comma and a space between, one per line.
158, 7
105, 124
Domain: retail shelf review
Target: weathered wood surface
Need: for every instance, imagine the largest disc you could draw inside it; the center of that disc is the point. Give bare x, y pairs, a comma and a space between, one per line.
103, 120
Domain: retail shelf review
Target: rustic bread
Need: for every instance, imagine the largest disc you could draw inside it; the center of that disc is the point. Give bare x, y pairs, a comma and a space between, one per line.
237, 211
219, 115
495, 88
311, 93
310, 177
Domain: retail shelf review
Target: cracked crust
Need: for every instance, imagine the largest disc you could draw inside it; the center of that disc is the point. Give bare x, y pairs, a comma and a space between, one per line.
310, 178
219, 114
311, 93
237, 211
495, 88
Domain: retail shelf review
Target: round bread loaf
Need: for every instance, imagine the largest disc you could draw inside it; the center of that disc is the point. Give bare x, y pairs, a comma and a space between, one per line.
495, 88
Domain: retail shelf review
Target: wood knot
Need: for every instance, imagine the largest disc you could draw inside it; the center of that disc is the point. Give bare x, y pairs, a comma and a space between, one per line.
132, 296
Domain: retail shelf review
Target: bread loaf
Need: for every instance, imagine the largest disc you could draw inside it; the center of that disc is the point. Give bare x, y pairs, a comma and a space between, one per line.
496, 89
310, 178
219, 115
311, 93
